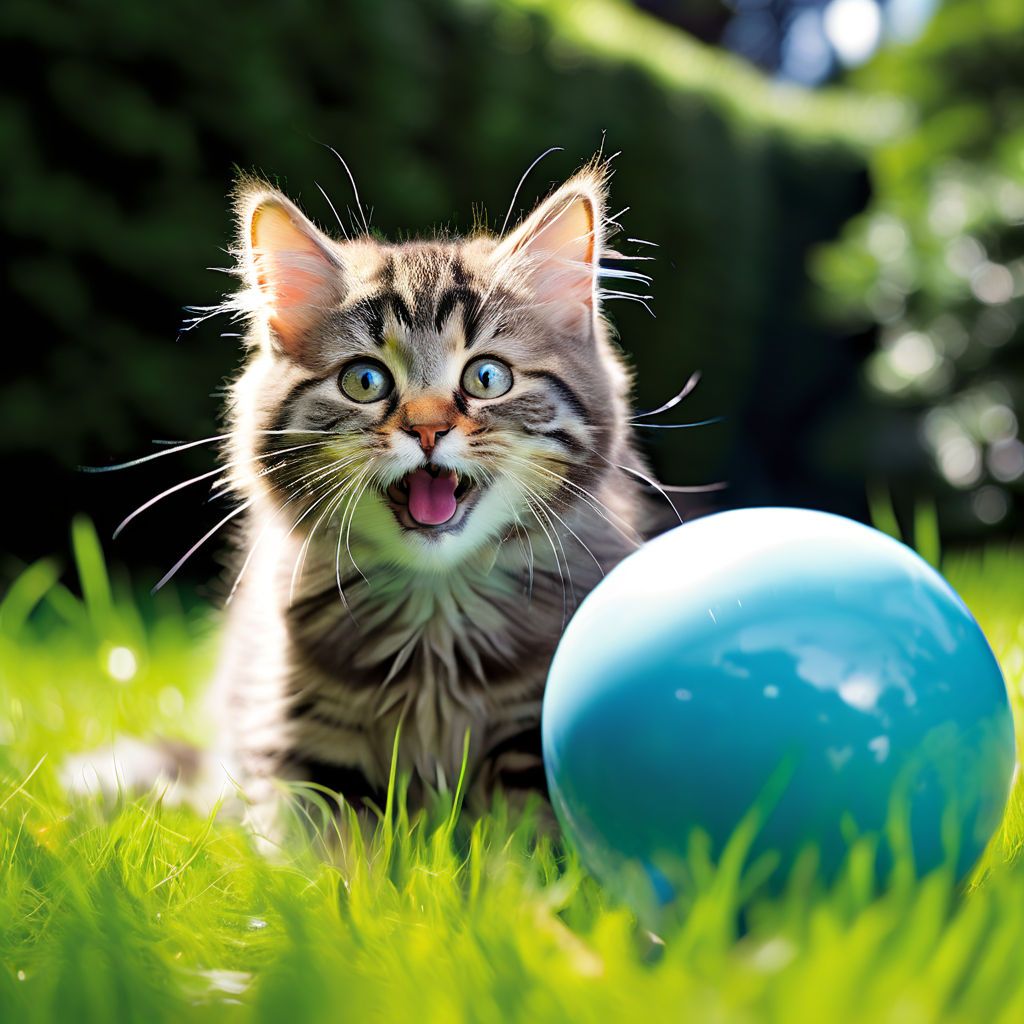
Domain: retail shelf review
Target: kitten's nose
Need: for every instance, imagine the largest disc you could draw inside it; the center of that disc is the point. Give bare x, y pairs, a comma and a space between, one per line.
428, 433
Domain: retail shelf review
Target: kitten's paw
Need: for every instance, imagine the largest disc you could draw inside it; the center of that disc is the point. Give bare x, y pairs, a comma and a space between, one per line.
129, 767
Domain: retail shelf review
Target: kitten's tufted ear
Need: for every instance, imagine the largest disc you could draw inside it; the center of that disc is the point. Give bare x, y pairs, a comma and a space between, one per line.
293, 268
558, 250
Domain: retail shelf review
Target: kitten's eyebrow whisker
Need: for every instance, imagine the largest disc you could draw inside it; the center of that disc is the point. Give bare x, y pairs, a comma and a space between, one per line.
626, 275
642, 299
352, 182
333, 210
526, 174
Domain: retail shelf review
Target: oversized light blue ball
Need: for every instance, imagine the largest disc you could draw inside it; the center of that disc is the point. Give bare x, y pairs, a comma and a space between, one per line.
753, 638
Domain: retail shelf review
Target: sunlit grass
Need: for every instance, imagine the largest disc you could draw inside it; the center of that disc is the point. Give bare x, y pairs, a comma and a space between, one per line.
148, 913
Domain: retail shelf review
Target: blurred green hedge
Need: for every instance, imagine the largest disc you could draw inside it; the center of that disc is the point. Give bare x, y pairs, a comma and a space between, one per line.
123, 122
936, 264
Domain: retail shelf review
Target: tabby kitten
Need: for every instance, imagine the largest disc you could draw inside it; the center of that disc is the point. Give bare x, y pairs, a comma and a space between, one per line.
426, 441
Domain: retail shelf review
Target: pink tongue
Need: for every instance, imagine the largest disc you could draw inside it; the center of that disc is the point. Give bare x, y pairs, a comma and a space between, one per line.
431, 498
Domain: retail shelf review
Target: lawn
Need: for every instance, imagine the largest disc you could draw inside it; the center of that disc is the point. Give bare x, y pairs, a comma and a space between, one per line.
143, 912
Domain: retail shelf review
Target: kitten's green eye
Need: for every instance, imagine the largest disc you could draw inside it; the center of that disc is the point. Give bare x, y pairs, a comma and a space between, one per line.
486, 378
365, 381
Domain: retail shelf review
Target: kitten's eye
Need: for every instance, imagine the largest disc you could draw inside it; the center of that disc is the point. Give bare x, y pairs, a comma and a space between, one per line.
486, 378
365, 381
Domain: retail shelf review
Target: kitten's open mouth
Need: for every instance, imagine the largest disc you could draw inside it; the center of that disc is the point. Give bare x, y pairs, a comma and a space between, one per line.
431, 499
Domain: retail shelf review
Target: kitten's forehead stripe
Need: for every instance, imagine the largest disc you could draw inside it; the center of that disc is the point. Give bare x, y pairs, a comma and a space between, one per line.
422, 287
469, 300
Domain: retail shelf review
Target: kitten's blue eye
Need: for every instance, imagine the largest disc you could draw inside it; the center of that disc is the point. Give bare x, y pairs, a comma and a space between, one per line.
365, 381
486, 377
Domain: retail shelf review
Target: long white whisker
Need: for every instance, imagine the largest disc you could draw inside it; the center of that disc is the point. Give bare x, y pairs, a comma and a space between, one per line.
589, 497
185, 446
558, 563
224, 487
653, 483
358, 489
324, 473
550, 511
198, 479
199, 543
333, 498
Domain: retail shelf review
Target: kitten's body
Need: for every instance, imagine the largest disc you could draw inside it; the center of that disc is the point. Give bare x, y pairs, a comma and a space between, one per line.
352, 616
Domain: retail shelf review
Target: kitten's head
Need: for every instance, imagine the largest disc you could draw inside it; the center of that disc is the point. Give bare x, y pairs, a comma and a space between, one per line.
425, 398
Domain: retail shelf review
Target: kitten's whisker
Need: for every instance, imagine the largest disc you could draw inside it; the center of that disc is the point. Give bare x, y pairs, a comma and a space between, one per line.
691, 383
165, 494
653, 483
226, 486
355, 190
626, 275
199, 543
324, 473
526, 174
551, 511
333, 498
588, 496
680, 426
185, 446
333, 210
199, 479
351, 510
718, 485
521, 532
558, 564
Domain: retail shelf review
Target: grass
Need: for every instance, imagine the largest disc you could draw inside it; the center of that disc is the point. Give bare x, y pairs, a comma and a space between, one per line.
143, 912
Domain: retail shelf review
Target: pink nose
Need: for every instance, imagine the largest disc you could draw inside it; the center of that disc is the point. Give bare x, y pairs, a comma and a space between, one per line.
428, 433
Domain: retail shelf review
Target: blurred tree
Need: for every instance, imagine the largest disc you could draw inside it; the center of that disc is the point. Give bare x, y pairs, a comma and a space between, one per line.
122, 122
937, 263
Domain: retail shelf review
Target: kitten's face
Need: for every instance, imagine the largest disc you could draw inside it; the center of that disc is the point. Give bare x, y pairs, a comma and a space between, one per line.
427, 399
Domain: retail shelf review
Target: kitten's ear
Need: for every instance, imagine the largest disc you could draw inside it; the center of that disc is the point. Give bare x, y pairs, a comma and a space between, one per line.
292, 267
558, 249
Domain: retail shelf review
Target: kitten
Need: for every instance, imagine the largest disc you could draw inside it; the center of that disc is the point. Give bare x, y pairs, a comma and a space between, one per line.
426, 441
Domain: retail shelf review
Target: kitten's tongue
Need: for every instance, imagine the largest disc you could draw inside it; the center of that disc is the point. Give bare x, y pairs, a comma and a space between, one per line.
431, 498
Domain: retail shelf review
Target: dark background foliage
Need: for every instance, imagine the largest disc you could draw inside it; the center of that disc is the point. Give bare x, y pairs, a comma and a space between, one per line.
122, 126
936, 267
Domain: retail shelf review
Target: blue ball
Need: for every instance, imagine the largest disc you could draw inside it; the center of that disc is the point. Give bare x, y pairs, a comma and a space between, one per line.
773, 640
